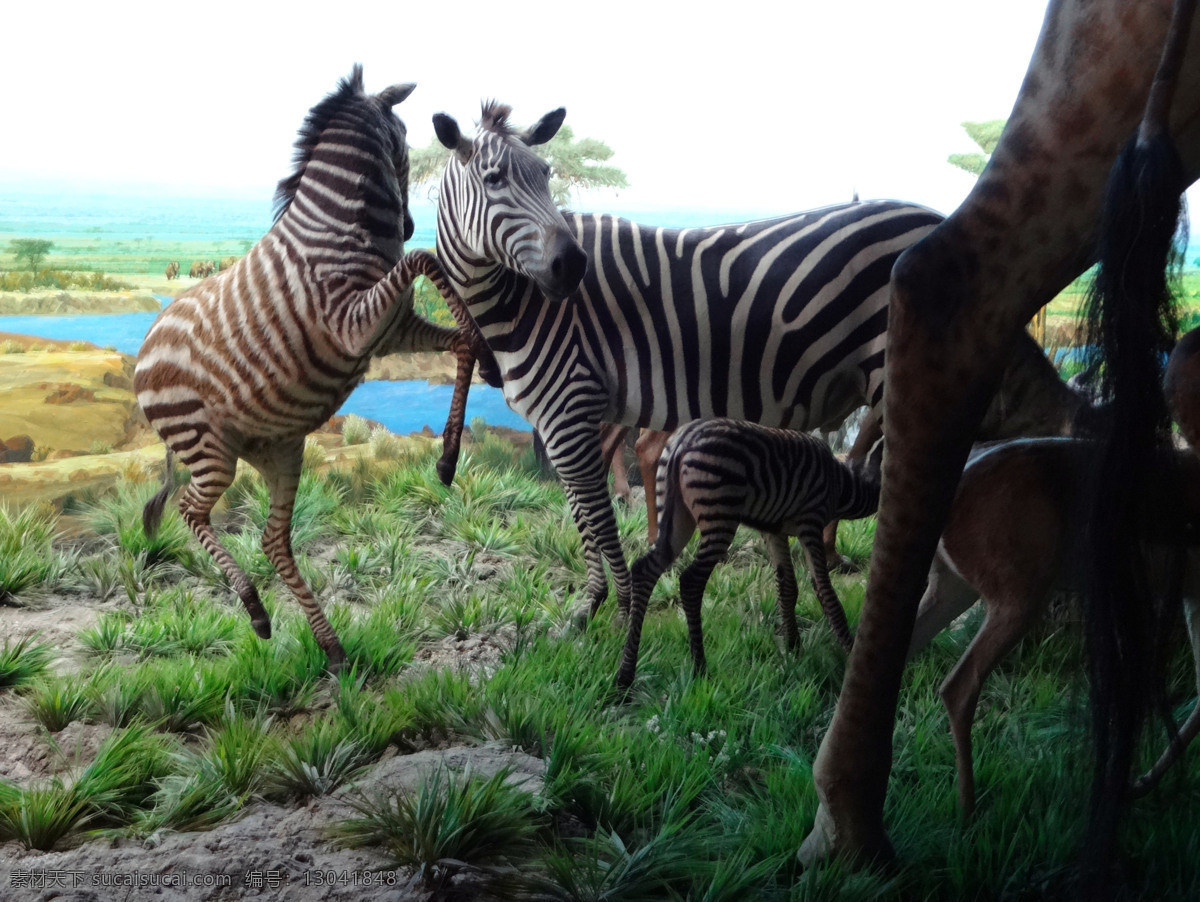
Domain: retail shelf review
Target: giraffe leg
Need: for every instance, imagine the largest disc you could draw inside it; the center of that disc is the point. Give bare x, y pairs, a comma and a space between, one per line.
937, 390
281, 472
785, 586
835, 614
213, 474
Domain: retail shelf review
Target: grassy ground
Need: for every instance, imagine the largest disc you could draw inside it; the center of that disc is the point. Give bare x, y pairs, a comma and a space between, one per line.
695, 789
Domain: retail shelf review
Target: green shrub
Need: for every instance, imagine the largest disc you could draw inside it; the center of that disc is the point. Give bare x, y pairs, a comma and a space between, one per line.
448, 824
26, 557
23, 661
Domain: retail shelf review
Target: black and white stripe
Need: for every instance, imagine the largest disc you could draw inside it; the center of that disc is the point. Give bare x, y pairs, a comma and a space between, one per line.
780, 322
248, 362
717, 474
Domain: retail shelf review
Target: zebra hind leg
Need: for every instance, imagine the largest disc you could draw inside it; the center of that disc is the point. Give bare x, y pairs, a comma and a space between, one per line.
715, 539
835, 614
785, 584
196, 504
282, 476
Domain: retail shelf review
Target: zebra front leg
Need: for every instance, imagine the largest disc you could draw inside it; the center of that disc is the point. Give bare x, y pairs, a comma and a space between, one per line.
452, 434
414, 333
281, 472
677, 530
835, 614
785, 587
580, 466
205, 488
597, 582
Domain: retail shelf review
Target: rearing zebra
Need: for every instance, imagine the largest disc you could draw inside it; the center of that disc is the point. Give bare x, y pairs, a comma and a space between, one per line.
780, 322
248, 362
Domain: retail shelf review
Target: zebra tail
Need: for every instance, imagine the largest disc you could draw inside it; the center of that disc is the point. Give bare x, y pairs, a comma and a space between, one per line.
153, 511
667, 485
1132, 323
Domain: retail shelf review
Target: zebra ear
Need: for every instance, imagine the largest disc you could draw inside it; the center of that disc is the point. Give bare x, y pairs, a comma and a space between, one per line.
395, 94
545, 128
448, 133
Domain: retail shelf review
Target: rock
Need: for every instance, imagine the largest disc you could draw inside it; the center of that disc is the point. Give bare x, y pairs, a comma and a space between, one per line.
18, 449
71, 394
118, 380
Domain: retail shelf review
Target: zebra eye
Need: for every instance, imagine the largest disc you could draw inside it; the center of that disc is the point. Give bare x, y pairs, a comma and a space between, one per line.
494, 179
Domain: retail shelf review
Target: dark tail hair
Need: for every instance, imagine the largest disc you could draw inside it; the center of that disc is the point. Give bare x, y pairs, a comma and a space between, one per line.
153, 511
1132, 325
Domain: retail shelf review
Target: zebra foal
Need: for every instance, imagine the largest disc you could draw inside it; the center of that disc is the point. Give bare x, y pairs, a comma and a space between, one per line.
717, 474
248, 362
782, 322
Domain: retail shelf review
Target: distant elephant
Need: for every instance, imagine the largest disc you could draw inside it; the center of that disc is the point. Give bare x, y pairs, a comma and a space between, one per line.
172, 270
197, 270
227, 262
210, 266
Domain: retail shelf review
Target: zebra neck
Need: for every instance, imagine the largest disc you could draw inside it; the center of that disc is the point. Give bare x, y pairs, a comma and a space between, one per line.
362, 222
504, 304
858, 488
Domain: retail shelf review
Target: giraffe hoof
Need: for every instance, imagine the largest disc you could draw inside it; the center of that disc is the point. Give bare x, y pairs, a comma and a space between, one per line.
826, 841
446, 468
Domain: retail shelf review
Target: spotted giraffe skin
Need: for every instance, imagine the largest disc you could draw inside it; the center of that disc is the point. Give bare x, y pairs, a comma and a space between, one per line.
958, 299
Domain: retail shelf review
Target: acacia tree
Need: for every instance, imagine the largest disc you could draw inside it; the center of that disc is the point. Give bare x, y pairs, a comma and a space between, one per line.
986, 135
573, 164
32, 250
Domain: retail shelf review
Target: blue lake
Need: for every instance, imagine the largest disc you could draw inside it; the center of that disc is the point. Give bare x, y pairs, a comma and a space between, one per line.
140, 214
402, 407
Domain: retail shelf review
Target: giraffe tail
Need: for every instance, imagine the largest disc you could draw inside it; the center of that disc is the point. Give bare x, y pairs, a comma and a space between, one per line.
1132, 324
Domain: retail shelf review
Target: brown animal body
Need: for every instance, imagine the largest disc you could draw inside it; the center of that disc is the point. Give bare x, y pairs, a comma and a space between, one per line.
958, 299
173, 270
1009, 538
1182, 386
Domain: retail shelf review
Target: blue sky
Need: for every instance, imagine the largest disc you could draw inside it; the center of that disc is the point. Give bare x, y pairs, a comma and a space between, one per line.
751, 106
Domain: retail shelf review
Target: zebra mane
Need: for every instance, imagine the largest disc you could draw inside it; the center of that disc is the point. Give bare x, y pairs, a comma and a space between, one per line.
348, 90
495, 117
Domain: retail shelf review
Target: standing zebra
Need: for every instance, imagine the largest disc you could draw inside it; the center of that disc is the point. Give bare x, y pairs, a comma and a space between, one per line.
717, 474
780, 322
248, 362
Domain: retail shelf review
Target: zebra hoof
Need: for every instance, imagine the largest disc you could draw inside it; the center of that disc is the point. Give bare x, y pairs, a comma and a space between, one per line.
262, 626
336, 659
623, 688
